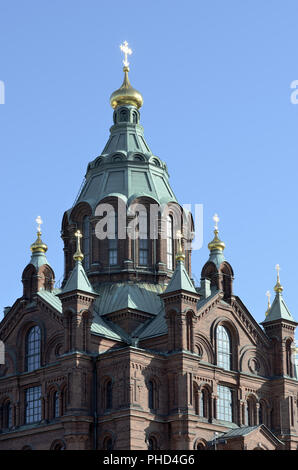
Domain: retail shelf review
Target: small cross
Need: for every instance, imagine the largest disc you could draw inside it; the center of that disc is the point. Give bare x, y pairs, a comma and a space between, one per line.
127, 51
39, 222
277, 267
179, 236
216, 220
78, 236
268, 295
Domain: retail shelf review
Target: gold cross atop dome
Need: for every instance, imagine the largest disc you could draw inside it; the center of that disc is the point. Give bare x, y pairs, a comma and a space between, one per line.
126, 51
180, 255
278, 287
126, 94
39, 222
78, 256
38, 245
268, 295
216, 220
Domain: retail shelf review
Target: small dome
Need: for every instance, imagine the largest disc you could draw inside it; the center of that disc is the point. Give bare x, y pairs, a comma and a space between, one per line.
38, 245
216, 243
126, 94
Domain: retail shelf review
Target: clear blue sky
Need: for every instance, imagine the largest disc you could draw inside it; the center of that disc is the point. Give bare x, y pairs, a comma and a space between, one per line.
215, 77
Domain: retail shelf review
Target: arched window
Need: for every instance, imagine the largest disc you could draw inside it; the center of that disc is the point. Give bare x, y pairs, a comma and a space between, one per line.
113, 238
58, 445
33, 347
86, 242
170, 242
143, 239
108, 444
223, 347
150, 395
251, 411
204, 404
109, 396
56, 405
289, 359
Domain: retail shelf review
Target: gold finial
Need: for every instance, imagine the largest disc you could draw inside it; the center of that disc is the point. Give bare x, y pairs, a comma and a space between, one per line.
269, 305
38, 245
127, 51
78, 256
216, 243
126, 94
180, 256
278, 287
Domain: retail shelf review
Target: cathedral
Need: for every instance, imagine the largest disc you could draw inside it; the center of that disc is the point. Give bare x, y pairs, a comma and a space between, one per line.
128, 353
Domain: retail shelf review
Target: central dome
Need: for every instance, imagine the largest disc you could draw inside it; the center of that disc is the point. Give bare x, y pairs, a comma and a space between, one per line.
126, 94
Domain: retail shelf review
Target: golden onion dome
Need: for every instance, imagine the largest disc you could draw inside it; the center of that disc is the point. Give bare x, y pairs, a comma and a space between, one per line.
126, 94
38, 245
216, 243
278, 287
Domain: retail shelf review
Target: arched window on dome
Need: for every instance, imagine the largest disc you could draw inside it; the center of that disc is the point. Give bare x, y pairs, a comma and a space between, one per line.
223, 343
143, 239
113, 239
170, 242
86, 242
33, 348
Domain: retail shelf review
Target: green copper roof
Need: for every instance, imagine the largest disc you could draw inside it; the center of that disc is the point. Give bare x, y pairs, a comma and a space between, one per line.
38, 259
216, 257
278, 310
51, 298
116, 296
127, 169
180, 280
78, 280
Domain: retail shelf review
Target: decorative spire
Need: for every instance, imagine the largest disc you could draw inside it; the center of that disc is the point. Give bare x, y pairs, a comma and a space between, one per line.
269, 305
126, 94
78, 256
278, 287
216, 243
38, 245
180, 256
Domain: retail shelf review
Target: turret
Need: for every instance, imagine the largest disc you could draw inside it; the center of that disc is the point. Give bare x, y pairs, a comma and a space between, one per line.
217, 270
77, 297
38, 274
280, 326
180, 299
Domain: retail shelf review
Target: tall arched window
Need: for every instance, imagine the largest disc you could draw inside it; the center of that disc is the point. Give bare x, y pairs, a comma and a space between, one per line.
33, 346
170, 242
113, 238
289, 359
261, 413
204, 403
56, 405
223, 343
86, 242
143, 239
150, 395
108, 444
